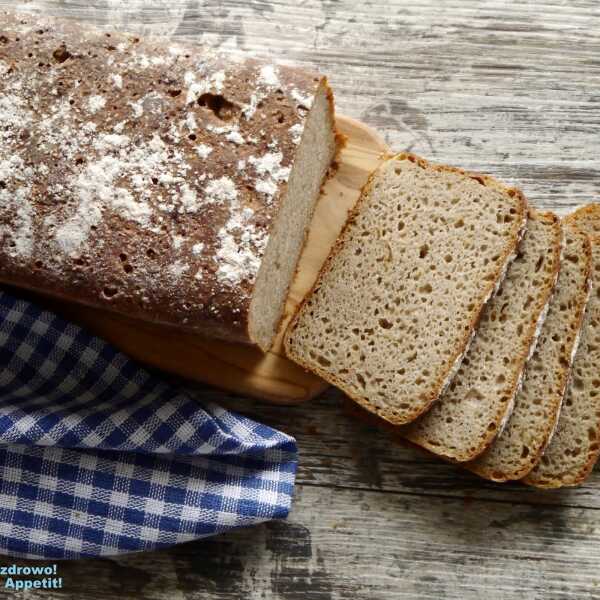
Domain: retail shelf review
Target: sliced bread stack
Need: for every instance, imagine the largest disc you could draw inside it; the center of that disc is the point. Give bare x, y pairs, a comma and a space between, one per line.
481, 396
518, 448
574, 448
453, 311
396, 303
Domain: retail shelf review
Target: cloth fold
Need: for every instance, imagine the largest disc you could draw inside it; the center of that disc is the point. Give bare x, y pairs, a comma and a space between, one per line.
99, 456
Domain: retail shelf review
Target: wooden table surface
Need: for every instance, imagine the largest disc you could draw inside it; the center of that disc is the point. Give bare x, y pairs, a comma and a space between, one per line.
506, 87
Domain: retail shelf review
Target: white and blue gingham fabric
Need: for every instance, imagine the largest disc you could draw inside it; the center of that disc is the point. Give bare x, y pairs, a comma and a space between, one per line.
99, 456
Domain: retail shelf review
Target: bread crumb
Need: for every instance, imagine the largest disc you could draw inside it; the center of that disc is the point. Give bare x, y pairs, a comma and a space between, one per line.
296, 132
178, 268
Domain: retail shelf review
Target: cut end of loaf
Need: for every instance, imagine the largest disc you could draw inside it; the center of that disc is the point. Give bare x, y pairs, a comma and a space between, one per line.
389, 318
315, 155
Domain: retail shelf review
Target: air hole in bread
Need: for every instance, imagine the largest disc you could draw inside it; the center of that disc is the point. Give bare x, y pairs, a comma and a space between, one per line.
174, 93
324, 361
219, 105
361, 380
539, 263
110, 291
423, 251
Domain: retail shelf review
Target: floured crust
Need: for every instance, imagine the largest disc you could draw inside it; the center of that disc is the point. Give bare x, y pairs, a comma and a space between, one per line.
148, 173
508, 251
503, 410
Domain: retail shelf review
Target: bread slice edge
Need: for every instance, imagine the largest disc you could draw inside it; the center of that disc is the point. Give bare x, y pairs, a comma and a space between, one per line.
580, 476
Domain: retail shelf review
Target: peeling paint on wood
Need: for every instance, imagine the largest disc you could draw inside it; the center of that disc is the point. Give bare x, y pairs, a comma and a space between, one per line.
512, 89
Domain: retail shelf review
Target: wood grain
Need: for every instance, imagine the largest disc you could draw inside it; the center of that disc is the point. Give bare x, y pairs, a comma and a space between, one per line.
508, 88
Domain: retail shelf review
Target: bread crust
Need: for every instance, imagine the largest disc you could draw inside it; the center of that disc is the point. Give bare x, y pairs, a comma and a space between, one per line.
210, 172
508, 251
587, 220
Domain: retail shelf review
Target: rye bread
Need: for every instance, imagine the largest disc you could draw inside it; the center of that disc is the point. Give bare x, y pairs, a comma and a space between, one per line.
537, 406
575, 445
395, 304
158, 179
478, 401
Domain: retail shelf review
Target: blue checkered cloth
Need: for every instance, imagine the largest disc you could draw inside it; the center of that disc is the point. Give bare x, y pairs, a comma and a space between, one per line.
99, 457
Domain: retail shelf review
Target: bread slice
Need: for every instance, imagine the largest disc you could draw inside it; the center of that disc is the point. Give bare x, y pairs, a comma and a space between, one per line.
480, 397
574, 448
519, 447
396, 302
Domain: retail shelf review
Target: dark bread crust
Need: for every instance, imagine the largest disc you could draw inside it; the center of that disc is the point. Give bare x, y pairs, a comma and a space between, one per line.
147, 271
587, 220
509, 249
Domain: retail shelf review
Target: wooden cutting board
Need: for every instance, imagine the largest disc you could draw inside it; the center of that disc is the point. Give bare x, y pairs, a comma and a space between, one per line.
240, 368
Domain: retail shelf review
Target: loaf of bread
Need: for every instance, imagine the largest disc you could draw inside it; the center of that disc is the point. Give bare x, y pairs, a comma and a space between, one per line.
158, 180
537, 406
480, 398
395, 305
575, 445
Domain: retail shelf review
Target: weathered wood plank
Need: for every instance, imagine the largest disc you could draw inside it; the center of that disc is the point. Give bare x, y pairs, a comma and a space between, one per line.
339, 450
352, 544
